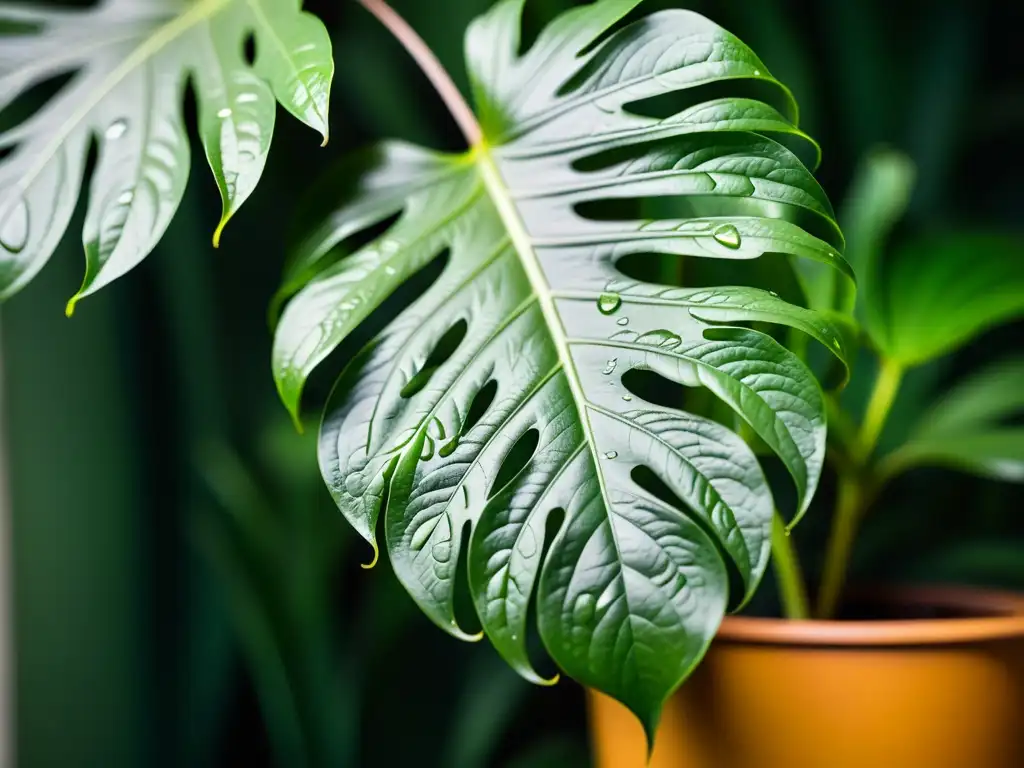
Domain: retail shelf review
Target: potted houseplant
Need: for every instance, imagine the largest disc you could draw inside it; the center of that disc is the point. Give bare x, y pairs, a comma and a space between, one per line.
562, 425
601, 156
925, 676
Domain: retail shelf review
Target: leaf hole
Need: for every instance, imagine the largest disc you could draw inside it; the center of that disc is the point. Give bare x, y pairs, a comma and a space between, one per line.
441, 353
357, 349
462, 596
770, 272
29, 102
646, 479
666, 105
515, 460
655, 388
249, 48
482, 400
540, 660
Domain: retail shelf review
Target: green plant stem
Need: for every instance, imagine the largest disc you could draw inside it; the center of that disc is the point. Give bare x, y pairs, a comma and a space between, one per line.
849, 510
856, 489
792, 588
890, 374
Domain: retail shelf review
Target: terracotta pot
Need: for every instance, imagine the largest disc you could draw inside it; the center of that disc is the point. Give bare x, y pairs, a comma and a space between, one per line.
910, 693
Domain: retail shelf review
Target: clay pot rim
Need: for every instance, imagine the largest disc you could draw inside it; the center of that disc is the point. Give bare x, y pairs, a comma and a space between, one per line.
1001, 616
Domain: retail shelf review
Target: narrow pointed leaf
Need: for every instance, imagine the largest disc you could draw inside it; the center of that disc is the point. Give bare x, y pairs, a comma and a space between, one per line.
973, 427
494, 414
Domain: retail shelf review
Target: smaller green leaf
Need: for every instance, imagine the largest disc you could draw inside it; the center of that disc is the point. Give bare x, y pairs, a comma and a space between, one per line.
877, 199
942, 290
969, 427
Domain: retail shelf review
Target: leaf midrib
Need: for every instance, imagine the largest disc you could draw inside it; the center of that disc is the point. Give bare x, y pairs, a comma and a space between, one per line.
507, 211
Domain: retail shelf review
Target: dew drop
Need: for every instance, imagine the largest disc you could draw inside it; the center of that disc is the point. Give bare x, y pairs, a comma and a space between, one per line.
773, 293
14, 228
609, 367
608, 303
836, 343
757, 73
224, 113
116, 129
246, 98
728, 236
627, 398
612, 455
126, 197
389, 270
623, 321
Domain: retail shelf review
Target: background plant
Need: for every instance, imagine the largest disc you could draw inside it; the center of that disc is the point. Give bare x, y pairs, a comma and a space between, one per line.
110, 592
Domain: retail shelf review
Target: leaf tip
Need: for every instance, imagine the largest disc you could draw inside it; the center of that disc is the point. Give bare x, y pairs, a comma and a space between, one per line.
220, 230
376, 557
69, 308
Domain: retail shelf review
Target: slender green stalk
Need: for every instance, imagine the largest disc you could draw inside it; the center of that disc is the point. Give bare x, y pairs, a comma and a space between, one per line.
849, 510
792, 588
856, 488
890, 374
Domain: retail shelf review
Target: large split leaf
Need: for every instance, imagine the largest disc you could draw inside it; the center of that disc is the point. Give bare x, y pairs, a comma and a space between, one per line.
496, 412
131, 61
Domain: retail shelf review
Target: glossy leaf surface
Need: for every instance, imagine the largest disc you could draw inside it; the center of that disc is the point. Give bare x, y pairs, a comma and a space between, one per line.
495, 416
975, 427
131, 61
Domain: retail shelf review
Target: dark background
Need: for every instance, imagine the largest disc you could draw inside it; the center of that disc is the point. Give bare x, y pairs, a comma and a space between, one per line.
186, 594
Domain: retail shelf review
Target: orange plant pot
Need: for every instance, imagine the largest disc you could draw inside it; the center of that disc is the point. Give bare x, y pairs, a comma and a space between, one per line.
915, 693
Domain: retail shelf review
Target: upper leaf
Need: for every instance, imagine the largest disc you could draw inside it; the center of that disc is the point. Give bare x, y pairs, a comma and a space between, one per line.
132, 60
939, 291
497, 413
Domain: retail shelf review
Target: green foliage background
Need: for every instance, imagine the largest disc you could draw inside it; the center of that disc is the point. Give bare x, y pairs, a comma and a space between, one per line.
185, 593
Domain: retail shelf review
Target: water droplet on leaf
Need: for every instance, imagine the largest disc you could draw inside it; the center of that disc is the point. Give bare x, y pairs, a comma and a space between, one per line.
246, 98
728, 236
116, 129
612, 455
627, 398
14, 228
623, 321
609, 367
224, 113
757, 72
608, 303
126, 197
389, 270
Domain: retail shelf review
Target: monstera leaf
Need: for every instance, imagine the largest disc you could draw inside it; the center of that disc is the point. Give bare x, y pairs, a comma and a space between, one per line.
131, 61
496, 417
